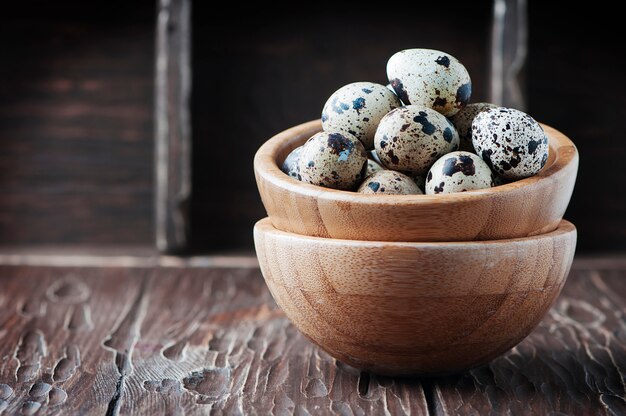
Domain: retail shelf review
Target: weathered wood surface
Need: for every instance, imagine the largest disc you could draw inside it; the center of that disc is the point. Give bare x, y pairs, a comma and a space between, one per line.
509, 49
199, 341
76, 136
173, 124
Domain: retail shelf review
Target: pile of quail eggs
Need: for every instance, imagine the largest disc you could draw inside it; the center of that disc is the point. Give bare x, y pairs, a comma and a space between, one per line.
419, 134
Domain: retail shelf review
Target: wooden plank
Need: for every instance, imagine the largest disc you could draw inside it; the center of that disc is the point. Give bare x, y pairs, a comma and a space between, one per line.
194, 341
52, 325
509, 48
574, 363
173, 124
172, 341
129, 257
76, 135
144, 256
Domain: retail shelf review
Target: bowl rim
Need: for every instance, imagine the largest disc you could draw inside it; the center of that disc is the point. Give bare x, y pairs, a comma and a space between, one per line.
265, 226
265, 165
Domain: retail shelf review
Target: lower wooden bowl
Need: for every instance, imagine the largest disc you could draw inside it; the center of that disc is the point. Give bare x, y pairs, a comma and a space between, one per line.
414, 308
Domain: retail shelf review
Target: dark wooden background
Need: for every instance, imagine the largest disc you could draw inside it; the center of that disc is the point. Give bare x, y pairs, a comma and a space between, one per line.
76, 86
76, 107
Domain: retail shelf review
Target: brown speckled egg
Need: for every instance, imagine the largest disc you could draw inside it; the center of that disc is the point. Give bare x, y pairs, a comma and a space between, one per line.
389, 182
333, 160
357, 108
463, 123
431, 79
411, 138
372, 167
290, 165
511, 142
458, 172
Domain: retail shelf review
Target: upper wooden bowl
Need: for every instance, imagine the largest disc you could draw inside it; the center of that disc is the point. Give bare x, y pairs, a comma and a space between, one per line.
523, 208
414, 308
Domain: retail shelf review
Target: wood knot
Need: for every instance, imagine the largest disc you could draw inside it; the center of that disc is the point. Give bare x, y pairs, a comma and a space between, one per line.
167, 386
66, 367
39, 389
68, 291
31, 350
5, 391
314, 387
56, 396
176, 351
211, 384
30, 407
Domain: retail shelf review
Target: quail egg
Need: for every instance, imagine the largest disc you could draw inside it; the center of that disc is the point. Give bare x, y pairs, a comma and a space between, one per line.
290, 165
431, 79
357, 109
332, 160
458, 172
372, 167
389, 182
511, 142
463, 123
411, 138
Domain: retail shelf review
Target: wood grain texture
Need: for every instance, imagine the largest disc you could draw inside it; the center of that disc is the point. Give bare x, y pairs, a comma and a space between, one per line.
527, 207
173, 124
509, 50
574, 363
212, 341
414, 308
169, 341
76, 135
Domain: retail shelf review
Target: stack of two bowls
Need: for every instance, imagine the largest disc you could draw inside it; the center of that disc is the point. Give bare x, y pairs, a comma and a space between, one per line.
415, 284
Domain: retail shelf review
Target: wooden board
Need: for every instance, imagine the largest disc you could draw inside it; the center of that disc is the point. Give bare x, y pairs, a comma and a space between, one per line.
574, 363
173, 124
195, 340
76, 123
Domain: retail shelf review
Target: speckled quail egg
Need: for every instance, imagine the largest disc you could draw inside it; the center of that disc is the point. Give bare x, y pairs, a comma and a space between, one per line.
389, 182
372, 167
290, 165
463, 123
458, 172
332, 160
357, 109
511, 142
430, 78
411, 138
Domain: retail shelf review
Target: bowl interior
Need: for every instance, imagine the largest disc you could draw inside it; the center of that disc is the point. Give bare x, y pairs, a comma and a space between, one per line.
285, 144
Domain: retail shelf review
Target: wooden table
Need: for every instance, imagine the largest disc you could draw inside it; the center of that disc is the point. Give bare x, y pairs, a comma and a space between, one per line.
164, 336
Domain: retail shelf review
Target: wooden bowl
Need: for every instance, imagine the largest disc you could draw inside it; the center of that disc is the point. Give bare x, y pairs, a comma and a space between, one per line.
523, 208
414, 308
